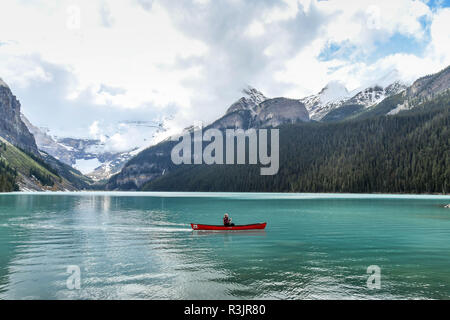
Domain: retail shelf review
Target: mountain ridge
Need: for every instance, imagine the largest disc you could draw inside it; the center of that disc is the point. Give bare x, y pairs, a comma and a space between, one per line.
406, 153
154, 162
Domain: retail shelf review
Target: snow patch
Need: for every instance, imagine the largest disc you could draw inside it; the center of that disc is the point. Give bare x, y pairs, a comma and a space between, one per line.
334, 91
86, 166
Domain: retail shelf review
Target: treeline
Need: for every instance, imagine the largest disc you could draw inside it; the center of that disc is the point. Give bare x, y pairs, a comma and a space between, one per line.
44, 179
41, 162
406, 153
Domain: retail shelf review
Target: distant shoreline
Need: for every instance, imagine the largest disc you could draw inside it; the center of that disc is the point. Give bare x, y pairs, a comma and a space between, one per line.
288, 195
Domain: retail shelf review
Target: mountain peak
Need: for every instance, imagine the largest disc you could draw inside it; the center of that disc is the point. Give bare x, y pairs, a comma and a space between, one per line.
334, 90
389, 78
253, 94
3, 84
12, 127
251, 99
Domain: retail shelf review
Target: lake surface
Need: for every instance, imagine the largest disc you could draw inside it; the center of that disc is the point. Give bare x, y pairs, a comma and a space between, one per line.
140, 246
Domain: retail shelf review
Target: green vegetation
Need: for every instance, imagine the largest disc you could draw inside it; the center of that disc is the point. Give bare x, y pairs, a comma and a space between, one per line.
7, 178
380, 109
41, 162
343, 112
15, 161
75, 177
44, 179
406, 153
17, 164
7, 174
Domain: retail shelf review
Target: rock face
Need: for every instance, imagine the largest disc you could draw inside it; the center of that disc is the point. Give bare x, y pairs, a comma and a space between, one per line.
36, 170
278, 111
12, 128
256, 111
422, 90
46, 143
430, 86
251, 99
149, 164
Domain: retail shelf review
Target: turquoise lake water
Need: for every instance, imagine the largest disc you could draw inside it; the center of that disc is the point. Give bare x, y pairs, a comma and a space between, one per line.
140, 246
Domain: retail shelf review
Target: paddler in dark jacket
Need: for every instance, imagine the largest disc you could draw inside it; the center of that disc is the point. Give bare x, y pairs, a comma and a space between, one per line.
227, 221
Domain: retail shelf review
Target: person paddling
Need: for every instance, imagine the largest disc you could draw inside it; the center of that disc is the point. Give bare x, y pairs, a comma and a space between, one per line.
227, 221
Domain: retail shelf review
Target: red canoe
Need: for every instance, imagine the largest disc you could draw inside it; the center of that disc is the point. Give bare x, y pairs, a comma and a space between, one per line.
242, 227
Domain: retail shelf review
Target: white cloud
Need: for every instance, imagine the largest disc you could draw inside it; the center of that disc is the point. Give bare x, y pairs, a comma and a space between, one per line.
255, 29
359, 25
21, 70
128, 53
144, 59
94, 129
440, 36
364, 21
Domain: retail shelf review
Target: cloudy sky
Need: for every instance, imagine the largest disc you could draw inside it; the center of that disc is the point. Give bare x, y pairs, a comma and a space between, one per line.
88, 68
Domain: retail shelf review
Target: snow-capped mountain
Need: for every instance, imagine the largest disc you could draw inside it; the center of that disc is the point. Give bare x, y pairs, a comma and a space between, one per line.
112, 165
249, 101
332, 96
373, 95
335, 95
90, 156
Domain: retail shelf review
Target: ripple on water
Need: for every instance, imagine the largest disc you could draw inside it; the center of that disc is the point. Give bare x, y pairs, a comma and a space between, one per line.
142, 247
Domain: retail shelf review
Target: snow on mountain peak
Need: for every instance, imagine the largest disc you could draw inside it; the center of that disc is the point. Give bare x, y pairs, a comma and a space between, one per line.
333, 91
3, 84
387, 79
256, 96
335, 95
250, 100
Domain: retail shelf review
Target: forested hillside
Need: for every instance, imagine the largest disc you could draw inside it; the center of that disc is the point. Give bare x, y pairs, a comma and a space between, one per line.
7, 174
405, 153
20, 169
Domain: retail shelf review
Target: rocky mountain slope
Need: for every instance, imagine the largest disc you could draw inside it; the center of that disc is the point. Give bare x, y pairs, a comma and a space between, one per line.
22, 165
334, 100
422, 90
38, 173
254, 110
12, 127
251, 99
